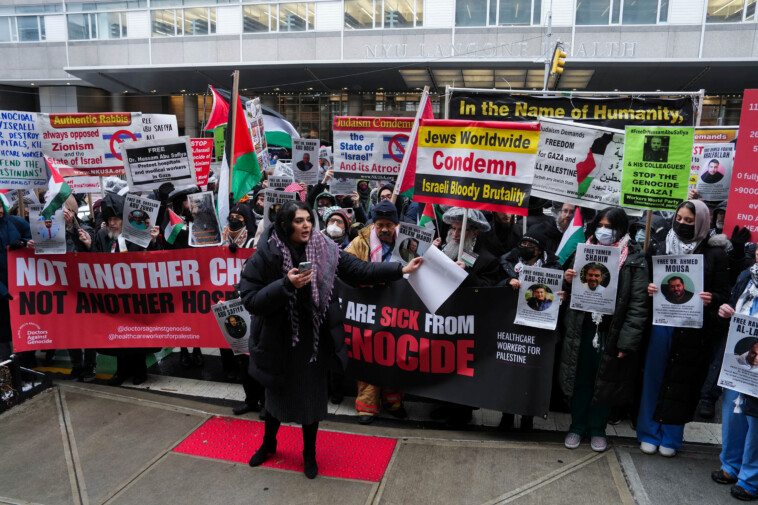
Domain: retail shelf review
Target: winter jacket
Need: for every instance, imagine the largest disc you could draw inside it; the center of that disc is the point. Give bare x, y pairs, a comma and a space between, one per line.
266, 291
73, 243
486, 271
360, 247
621, 331
691, 348
12, 229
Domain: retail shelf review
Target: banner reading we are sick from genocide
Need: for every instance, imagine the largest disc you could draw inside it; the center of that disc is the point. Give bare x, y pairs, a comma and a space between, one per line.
370, 147
477, 165
468, 352
135, 299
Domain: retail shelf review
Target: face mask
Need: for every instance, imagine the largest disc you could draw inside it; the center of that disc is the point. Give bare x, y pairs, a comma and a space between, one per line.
684, 231
334, 231
527, 252
604, 236
640, 236
235, 224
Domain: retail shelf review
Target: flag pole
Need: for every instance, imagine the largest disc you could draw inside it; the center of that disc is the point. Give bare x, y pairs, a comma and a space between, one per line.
233, 105
414, 132
21, 206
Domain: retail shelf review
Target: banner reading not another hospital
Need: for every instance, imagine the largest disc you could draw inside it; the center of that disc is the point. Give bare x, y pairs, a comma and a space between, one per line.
370, 147
478, 165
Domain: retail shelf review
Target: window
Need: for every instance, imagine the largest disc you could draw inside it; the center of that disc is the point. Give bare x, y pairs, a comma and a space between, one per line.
366, 14
105, 6
255, 18
641, 12
31, 28
627, 12
497, 12
8, 31
285, 17
199, 21
178, 22
106, 25
295, 17
726, 11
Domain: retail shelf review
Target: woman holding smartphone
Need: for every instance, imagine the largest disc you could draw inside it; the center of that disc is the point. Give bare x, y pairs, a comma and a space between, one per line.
297, 322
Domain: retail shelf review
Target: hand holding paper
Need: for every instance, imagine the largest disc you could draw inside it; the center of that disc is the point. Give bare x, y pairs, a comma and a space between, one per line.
436, 279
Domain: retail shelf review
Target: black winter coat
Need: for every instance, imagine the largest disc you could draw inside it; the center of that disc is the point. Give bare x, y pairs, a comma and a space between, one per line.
691, 348
486, 271
622, 331
266, 291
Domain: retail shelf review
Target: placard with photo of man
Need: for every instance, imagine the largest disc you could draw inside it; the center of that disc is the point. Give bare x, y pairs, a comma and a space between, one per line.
739, 369
715, 173
234, 322
594, 288
48, 233
538, 298
679, 279
305, 160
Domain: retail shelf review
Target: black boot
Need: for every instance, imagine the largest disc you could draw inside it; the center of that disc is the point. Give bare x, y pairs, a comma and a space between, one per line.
268, 446
310, 468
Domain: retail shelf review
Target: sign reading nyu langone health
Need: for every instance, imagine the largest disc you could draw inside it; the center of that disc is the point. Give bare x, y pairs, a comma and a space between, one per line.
479, 165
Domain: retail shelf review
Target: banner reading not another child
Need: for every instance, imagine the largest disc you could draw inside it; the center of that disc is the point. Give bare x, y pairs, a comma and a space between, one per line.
479, 165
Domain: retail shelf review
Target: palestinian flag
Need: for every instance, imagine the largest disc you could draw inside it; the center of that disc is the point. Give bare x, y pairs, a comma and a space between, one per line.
407, 176
585, 170
573, 236
219, 111
57, 191
4, 201
427, 217
173, 228
246, 172
278, 131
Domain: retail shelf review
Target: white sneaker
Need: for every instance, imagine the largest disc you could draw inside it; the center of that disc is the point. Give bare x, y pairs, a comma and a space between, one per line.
667, 452
648, 448
572, 440
599, 444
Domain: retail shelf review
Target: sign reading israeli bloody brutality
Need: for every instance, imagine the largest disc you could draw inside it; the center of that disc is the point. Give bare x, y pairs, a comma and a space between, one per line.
370, 147
656, 167
467, 353
21, 164
739, 369
742, 209
133, 299
679, 279
88, 144
538, 298
579, 164
479, 165
594, 287
150, 163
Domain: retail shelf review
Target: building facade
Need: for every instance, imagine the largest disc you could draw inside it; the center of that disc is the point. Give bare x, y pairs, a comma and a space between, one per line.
315, 59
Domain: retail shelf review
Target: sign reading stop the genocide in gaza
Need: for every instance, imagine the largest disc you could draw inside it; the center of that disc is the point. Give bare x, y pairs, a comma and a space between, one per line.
88, 144
370, 147
743, 204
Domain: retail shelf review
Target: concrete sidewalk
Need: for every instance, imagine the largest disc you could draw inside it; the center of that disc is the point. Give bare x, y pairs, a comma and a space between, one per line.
88, 444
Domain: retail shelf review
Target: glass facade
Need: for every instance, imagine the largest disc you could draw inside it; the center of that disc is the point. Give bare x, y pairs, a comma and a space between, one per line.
179, 22
730, 11
284, 17
106, 25
497, 12
367, 14
626, 12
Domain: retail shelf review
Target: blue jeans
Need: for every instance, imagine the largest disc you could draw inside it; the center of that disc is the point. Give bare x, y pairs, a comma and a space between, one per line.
739, 444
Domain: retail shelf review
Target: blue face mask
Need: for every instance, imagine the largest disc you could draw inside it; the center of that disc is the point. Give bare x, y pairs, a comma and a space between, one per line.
604, 236
640, 236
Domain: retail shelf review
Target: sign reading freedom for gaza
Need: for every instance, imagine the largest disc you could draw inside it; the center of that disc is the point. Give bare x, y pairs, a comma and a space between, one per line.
370, 147
477, 165
21, 164
88, 144
656, 166
135, 299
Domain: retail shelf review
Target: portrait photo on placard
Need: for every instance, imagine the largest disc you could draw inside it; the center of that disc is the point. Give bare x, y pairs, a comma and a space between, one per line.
539, 297
595, 276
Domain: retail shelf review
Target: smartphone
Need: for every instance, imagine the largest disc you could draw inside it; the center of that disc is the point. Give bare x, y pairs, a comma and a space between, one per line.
304, 266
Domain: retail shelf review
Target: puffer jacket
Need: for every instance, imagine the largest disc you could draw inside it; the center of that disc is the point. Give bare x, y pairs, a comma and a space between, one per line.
621, 331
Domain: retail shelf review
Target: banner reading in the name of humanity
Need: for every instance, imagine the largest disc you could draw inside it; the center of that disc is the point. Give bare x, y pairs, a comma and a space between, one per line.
579, 164
742, 209
739, 369
538, 298
610, 112
134, 299
21, 164
595, 285
679, 279
656, 167
150, 163
370, 147
88, 144
714, 171
465, 353
477, 165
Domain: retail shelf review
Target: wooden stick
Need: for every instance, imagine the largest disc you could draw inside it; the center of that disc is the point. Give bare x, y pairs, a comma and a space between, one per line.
648, 226
463, 234
21, 205
233, 105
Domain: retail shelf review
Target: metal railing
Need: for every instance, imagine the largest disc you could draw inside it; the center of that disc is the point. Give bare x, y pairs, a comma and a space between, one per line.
18, 384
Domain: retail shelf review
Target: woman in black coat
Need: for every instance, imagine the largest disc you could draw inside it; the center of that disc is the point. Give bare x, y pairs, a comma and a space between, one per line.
676, 361
297, 322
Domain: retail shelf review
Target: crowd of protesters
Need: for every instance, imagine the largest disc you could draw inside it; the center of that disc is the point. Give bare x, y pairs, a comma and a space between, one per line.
607, 366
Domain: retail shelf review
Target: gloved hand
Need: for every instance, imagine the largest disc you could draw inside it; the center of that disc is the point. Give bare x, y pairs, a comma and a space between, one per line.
18, 244
232, 248
8, 297
739, 239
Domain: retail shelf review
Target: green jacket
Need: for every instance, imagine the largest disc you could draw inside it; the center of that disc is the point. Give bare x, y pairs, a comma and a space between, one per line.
621, 331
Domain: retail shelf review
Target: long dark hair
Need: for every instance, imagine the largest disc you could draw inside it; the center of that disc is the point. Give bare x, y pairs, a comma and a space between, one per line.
618, 219
285, 216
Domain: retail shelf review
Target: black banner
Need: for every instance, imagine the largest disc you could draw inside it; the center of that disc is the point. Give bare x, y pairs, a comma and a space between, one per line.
611, 112
470, 352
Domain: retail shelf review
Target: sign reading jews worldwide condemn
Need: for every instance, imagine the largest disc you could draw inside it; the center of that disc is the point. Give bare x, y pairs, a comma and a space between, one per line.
21, 164
464, 353
48, 233
234, 321
88, 144
714, 171
370, 147
739, 369
159, 126
133, 299
412, 241
579, 164
477, 165
679, 279
610, 112
150, 163
596, 281
538, 298
656, 167
743, 209
140, 214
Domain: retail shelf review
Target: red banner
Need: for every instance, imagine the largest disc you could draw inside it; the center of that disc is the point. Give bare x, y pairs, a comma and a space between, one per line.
743, 204
139, 299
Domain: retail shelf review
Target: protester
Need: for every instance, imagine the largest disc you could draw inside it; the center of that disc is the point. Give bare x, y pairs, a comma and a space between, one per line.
374, 244
299, 322
15, 233
504, 235
323, 201
337, 225
598, 360
676, 362
407, 210
364, 194
256, 204
739, 426
240, 229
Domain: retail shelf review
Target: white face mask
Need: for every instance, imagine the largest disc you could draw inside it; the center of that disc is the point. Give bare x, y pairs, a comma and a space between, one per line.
640, 236
604, 236
334, 230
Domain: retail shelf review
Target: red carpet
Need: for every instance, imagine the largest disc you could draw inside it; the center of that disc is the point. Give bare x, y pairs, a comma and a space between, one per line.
338, 454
